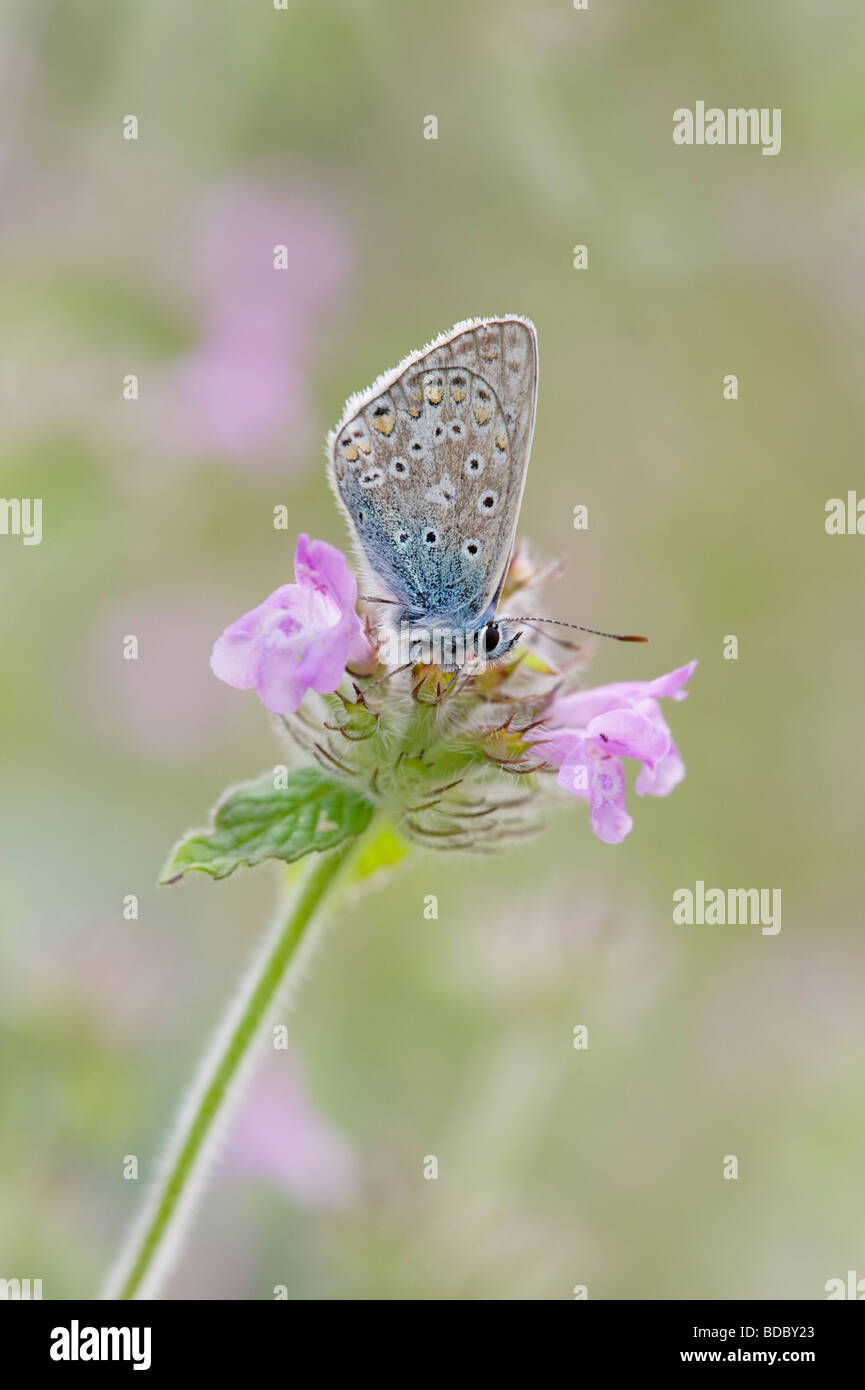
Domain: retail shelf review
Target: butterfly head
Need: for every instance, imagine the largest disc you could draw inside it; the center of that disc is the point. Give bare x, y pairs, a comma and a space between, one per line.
495, 640
452, 648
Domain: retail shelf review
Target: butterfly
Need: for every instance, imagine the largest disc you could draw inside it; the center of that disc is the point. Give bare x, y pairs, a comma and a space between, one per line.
429, 466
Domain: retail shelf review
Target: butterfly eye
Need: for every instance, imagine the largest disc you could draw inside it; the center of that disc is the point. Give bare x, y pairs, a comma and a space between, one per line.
491, 638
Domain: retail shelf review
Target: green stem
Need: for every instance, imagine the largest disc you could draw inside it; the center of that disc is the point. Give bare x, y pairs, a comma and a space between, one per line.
171, 1204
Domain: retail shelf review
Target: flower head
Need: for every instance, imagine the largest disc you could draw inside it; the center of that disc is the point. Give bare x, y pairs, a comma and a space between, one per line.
458, 758
301, 637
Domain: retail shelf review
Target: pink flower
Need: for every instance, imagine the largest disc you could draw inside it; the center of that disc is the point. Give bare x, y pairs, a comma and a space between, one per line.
281, 1135
301, 637
243, 388
592, 730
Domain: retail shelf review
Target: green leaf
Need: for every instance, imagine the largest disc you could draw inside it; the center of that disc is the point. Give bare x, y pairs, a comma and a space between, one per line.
258, 821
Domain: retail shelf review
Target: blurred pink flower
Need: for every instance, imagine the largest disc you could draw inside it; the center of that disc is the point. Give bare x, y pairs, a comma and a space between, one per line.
242, 390
591, 731
280, 1135
239, 396
299, 638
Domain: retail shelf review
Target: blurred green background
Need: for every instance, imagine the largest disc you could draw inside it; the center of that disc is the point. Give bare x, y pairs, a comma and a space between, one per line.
452, 1037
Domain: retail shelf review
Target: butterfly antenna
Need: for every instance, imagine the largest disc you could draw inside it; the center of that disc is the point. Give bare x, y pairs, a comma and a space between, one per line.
616, 636
559, 641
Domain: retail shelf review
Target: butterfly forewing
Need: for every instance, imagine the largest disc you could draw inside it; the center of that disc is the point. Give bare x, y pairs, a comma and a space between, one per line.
430, 466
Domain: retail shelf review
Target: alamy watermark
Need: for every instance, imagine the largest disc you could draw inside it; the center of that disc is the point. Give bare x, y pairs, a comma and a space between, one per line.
446, 647
718, 907
845, 518
20, 1290
21, 516
853, 1287
736, 126
77, 1343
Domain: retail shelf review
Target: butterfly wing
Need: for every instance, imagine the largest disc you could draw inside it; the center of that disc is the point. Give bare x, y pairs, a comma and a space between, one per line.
430, 463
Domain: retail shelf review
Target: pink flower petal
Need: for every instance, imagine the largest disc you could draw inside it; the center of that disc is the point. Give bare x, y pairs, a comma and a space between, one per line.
626, 733
583, 706
574, 770
556, 745
299, 638
660, 780
607, 815
592, 730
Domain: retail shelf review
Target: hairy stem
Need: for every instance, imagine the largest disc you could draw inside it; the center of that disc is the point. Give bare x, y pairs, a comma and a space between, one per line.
156, 1239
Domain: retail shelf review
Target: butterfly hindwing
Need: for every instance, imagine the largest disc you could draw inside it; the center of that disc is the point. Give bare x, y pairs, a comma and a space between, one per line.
430, 466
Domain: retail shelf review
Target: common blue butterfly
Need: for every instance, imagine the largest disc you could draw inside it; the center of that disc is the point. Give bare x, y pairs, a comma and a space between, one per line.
429, 465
